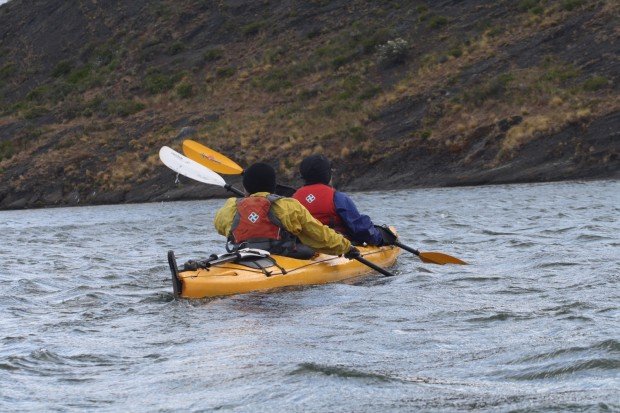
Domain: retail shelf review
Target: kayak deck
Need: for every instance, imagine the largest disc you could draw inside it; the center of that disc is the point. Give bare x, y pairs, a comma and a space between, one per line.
234, 278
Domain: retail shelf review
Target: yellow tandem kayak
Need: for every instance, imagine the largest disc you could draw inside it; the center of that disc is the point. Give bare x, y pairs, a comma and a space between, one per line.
257, 270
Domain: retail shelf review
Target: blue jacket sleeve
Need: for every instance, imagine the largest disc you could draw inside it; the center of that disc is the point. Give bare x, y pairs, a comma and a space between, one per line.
361, 228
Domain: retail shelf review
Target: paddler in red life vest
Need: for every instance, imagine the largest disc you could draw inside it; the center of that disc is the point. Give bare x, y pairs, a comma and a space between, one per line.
276, 224
331, 207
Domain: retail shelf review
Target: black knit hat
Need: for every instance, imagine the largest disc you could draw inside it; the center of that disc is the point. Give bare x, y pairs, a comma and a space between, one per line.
259, 177
316, 169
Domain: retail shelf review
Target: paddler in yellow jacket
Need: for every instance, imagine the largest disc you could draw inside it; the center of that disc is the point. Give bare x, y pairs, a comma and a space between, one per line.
273, 223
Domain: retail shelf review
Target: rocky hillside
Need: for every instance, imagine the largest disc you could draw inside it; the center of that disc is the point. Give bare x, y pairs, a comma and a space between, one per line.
399, 94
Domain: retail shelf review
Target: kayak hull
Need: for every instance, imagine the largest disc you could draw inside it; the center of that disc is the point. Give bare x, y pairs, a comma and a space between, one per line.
232, 278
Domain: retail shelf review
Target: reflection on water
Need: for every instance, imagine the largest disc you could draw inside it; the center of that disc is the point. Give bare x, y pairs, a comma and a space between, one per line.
89, 321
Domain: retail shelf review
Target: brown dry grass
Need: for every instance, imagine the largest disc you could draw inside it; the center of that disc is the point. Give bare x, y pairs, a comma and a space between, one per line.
256, 124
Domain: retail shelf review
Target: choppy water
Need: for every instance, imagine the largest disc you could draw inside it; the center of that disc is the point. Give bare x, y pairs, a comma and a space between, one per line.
88, 321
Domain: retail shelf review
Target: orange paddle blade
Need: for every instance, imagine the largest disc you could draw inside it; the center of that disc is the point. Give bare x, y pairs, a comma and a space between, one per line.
210, 158
440, 258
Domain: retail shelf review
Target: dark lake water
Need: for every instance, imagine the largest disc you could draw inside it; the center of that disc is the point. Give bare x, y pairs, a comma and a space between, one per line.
88, 321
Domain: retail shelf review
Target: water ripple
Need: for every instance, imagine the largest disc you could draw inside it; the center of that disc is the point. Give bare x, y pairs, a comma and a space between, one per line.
561, 369
89, 319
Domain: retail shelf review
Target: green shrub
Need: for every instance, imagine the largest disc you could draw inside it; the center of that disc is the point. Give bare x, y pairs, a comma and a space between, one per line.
437, 21
276, 79
275, 55
62, 68
351, 83
595, 83
6, 150
72, 107
429, 59
160, 10
301, 69
495, 31
393, 52
176, 48
369, 91
422, 9
38, 93
346, 48
12, 108
356, 133
157, 82
344, 95
288, 111
343, 59
124, 107
59, 91
7, 70
569, 5
372, 41
527, 5
493, 88
102, 57
456, 51
33, 112
354, 86
252, 28
111, 107
149, 53
95, 105
307, 94
314, 32
561, 73
329, 109
532, 6
538, 10
79, 75
352, 106
213, 54
225, 72
185, 90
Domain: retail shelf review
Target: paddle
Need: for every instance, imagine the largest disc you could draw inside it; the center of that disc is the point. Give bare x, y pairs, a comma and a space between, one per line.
210, 158
191, 169
374, 267
222, 164
432, 257
427, 257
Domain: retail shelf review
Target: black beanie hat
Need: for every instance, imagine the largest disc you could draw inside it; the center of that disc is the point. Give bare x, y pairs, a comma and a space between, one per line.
259, 177
316, 169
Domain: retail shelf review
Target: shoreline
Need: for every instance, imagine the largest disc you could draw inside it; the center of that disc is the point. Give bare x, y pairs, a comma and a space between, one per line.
220, 195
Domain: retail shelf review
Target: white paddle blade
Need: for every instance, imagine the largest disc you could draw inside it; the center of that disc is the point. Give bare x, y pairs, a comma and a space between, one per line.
191, 169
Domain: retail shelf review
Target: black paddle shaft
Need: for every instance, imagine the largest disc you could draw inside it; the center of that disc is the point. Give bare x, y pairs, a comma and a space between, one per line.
234, 190
375, 267
281, 190
284, 190
407, 248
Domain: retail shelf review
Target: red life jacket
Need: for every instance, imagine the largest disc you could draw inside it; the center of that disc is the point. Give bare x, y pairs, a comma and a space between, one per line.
319, 200
255, 221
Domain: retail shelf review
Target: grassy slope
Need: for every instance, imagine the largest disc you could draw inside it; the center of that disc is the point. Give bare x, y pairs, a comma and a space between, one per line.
89, 94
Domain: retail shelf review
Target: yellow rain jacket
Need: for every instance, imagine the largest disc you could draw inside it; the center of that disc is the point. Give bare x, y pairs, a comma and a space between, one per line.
296, 219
